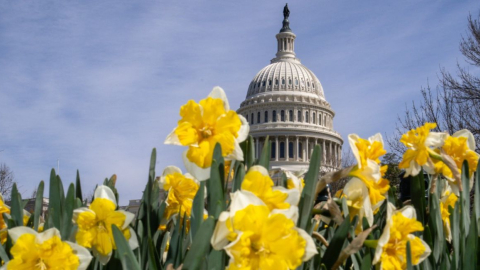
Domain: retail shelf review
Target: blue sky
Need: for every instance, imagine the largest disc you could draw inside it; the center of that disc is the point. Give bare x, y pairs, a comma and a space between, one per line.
98, 84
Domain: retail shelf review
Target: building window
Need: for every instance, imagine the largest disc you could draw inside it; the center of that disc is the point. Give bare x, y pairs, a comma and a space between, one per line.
300, 150
299, 116
266, 116
276, 81
314, 119
263, 83
269, 82
282, 149
251, 119
246, 116
272, 151
274, 116
282, 115
289, 81
258, 84
319, 119
308, 84
290, 150
283, 81
290, 118
258, 118
306, 117
325, 120
296, 81
313, 85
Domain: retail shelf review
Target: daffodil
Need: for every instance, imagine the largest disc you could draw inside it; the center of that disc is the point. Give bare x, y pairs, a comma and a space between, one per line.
205, 124
256, 238
460, 147
258, 181
95, 224
368, 169
391, 251
294, 182
448, 199
358, 201
46, 250
420, 143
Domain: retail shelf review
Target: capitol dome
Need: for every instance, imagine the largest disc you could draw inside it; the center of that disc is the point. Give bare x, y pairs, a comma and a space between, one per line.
286, 102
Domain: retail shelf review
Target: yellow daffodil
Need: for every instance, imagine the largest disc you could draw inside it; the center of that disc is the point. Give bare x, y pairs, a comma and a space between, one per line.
420, 142
294, 182
46, 250
448, 199
358, 201
205, 124
367, 154
258, 181
460, 147
391, 251
260, 238
95, 224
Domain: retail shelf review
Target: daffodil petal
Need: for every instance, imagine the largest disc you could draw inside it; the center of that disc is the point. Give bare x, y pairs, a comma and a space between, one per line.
218, 92
16, 232
219, 238
408, 212
83, 255
293, 194
310, 248
383, 240
467, 134
171, 169
242, 199
352, 140
172, 138
201, 174
244, 129
104, 259
435, 139
290, 213
237, 153
260, 169
105, 192
129, 217
133, 241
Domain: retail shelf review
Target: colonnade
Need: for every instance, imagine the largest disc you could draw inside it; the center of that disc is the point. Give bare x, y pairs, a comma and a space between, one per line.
298, 148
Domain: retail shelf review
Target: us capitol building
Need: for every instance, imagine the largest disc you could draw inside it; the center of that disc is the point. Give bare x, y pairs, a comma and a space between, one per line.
286, 102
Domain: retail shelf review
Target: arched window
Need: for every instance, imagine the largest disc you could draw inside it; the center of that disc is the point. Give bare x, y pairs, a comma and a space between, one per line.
269, 82
308, 84
272, 151
282, 149
290, 150
306, 117
300, 150
266, 116
258, 118
263, 83
246, 116
251, 119
276, 81
319, 119
299, 116
283, 81
290, 118
274, 116
282, 115
314, 118
296, 81
313, 85
289, 81
258, 84
325, 120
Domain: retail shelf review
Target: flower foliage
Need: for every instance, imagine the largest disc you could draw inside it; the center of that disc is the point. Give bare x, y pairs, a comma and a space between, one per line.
231, 211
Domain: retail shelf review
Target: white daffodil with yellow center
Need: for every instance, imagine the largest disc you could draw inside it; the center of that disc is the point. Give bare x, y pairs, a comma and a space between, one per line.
391, 251
367, 154
258, 181
420, 143
256, 238
95, 224
46, 250
448, 199
295, 182
358, 201
181, 190
205, 124
460, 147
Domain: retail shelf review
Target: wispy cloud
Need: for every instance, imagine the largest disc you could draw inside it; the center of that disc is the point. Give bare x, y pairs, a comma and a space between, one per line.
98, 84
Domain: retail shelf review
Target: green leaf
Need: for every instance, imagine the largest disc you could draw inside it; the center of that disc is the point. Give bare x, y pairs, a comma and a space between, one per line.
239, 175
38, 206
366, 261
67, 216
336, 244
153, 258
215, 194
216, 260
264, 159
78, 187
197, 209
308, 194
477, 197
409, 257
417, 188
250, 153
465, 198
125, 252
16, 211
436, 226
455, 221
471, 244
200, 245
54, 204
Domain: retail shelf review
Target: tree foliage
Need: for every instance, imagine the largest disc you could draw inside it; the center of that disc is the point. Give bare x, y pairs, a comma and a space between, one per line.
6, 180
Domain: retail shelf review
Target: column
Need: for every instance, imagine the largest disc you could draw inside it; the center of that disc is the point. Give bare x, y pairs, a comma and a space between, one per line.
257, 149
324, 152
330, 150
276, 147
296, 148
287, 146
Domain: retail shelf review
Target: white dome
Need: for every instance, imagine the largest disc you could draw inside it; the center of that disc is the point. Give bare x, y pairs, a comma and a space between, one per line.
286, 76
